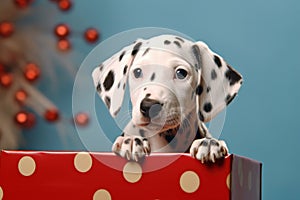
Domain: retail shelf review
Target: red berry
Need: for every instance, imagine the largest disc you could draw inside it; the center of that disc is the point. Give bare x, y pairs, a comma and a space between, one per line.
6, 79
62, 30
51, 115
21, 96
64, 5
6, 29
81, 119
91, 35
22, 3
64, 45
25, 119
31, 72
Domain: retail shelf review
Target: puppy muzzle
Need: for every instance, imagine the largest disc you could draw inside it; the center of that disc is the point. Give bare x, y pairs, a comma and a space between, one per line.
150, 108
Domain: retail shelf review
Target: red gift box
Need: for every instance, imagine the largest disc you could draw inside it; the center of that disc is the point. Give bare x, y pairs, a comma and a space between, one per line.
82, 175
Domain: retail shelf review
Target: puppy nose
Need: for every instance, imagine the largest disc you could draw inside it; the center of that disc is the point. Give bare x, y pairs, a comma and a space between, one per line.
150, 108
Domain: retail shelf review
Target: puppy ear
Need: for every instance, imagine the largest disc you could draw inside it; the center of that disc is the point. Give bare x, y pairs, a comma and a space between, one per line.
218, 83
110, 77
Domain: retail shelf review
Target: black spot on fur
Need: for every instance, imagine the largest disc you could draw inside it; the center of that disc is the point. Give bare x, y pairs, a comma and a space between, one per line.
127, 141
146, 51
214, 143
138, 142
199, 90
98, 88
196, 52
208, 89
185, 124
213, 74
142, 132
180, 39
136, 48
124, 85
229, 98
207, 107
109, 80
217, 61
177, 44
107, 101
125, 69
147, 95
167, 42
152, 77
232, 76
204, 143
200, 115
123, 134
101, 66
145, 88
122, 55
145, 139
117, 111
119, 84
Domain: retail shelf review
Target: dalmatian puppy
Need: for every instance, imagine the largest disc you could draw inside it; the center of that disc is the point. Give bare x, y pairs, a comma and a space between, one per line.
176, 85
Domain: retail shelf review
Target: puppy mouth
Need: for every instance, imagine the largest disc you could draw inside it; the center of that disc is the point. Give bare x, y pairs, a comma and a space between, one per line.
143, 124
171, 120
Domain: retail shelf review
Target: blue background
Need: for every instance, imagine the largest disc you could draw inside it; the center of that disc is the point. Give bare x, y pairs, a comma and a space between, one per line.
261, 39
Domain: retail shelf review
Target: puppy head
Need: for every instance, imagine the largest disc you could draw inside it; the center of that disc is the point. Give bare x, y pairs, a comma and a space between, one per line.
161, 84
168, 77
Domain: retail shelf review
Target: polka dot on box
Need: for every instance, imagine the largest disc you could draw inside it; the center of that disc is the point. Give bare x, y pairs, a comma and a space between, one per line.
1, 193
132, 172
102, 194
83, 162
26, 166
189, 182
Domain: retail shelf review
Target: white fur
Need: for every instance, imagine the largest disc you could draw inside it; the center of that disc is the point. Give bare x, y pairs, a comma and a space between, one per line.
183, 104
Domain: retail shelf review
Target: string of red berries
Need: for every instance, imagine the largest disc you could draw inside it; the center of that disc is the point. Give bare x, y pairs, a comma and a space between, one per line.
24, 95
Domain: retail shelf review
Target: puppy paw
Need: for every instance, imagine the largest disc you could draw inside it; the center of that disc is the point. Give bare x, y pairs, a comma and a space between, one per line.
131, 147
208, 149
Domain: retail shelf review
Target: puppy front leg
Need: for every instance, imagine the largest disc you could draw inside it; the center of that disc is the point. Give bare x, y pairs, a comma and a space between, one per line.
208, 149
131, 144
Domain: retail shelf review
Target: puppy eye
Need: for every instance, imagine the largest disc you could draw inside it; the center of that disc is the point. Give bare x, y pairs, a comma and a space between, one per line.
137, 73
181, 73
